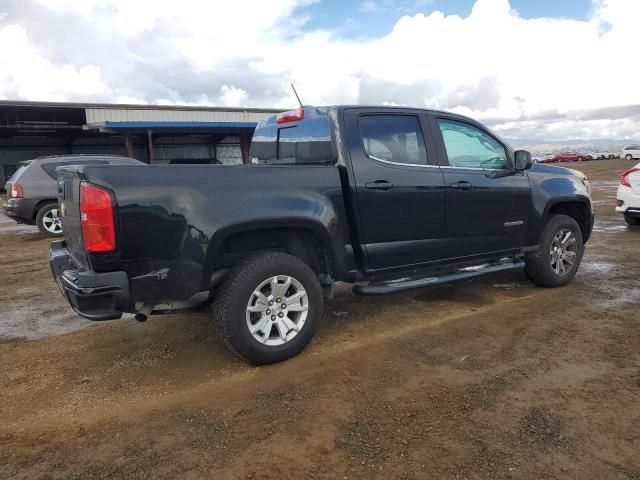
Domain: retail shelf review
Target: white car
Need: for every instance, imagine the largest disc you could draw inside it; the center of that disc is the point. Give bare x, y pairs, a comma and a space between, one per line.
628, 198
630, 152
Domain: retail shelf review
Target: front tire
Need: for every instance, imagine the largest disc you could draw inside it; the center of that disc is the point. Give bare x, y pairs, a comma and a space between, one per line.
559, 253
48, 221
632, 221
629, 157
269, 307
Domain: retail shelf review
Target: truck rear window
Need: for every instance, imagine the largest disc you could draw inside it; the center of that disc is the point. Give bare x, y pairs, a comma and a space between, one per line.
305, 142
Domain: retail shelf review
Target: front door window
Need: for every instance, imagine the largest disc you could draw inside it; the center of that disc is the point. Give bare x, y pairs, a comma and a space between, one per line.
470, 147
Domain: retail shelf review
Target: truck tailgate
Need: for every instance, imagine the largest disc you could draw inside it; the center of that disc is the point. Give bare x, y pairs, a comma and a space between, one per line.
69, 208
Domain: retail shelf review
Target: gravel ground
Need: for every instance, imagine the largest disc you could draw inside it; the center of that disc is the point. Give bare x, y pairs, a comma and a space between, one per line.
484, 379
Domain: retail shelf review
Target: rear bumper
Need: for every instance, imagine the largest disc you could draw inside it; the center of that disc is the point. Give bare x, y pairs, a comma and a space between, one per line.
630, 201
632, 212
92, 295
20, 209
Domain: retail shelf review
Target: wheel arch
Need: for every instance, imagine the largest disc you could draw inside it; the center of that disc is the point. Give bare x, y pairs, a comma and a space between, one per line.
576, 208
40, 204
304, 238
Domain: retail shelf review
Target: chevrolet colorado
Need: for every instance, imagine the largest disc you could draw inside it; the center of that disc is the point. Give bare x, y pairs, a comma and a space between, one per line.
384, 198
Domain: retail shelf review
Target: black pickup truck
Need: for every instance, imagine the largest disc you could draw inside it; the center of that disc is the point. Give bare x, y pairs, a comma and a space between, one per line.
384, 198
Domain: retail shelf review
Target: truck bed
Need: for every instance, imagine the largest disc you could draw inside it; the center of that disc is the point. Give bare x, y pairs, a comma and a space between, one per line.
172, 220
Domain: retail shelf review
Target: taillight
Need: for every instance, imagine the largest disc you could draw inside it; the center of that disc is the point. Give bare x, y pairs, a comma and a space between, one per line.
624, 178
290, 116
96, 219
15, 190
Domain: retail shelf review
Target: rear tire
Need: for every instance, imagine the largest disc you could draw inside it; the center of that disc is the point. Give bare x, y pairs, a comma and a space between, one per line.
48, 221
632, 221
253, 323
560, 243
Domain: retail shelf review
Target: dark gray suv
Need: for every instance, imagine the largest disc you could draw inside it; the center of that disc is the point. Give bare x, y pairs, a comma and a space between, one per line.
32, 190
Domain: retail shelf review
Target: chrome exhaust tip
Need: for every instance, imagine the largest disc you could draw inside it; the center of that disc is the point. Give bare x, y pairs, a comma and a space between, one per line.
144, 312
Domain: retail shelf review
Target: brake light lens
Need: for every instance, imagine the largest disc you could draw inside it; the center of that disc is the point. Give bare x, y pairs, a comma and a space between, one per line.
96, 219
15, 190
624, 178
290, 116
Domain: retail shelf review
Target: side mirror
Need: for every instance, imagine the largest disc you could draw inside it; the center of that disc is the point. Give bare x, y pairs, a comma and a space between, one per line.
523, 160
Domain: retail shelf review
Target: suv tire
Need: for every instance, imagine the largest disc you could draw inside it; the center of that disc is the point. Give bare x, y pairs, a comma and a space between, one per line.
560, 243
253, 323
632, 220
629, 157
48, 221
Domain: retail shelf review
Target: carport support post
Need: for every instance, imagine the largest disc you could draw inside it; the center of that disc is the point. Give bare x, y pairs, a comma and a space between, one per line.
150, 146
245, 143
128, 144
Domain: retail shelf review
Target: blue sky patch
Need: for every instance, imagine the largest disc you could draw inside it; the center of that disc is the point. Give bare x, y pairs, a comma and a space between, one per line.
374, 18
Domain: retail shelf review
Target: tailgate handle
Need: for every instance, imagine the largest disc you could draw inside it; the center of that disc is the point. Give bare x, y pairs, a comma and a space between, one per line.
379, 185
462, 185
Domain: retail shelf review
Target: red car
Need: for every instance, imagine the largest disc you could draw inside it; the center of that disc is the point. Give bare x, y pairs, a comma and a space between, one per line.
568, 157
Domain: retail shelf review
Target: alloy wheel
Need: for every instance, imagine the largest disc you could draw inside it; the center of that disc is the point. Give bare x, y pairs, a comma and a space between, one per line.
563, 252
277, 310
51, 221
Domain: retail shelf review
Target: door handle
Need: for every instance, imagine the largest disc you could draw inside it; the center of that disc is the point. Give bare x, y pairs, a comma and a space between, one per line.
462, 185
379, 185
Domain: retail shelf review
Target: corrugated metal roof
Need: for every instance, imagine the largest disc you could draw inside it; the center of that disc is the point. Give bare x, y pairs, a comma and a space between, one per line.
171, 124
124, 106
103, 115
100, 113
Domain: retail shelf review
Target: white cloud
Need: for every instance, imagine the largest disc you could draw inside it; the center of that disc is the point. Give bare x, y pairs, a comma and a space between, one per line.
526, 77
25, 73
231, 96
371, 6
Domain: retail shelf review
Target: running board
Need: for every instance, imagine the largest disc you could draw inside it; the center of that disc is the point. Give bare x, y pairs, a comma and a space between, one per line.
409, 284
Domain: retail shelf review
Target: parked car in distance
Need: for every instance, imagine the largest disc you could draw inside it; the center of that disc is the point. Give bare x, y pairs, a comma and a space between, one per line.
607, 155
32, 190
385, 198
630, 152
567, 157
628, 196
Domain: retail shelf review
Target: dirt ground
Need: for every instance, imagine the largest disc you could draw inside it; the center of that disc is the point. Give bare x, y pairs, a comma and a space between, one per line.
485, 379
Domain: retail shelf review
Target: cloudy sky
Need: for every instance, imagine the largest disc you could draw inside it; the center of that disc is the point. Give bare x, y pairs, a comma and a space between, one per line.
544, 69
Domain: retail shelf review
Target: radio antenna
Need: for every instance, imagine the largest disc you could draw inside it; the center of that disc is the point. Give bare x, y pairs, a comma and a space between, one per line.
296, 94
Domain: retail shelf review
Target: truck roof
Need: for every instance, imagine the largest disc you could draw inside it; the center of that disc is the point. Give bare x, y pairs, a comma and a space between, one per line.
324, 109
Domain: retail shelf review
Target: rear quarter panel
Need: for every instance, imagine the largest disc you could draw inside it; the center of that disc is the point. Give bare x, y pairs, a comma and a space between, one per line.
172, 219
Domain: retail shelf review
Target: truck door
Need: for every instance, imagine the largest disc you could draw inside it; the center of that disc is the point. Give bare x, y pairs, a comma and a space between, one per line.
488, 202
399, 189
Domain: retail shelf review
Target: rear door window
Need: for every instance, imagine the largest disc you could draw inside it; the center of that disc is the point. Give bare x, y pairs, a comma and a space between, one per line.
393, 138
